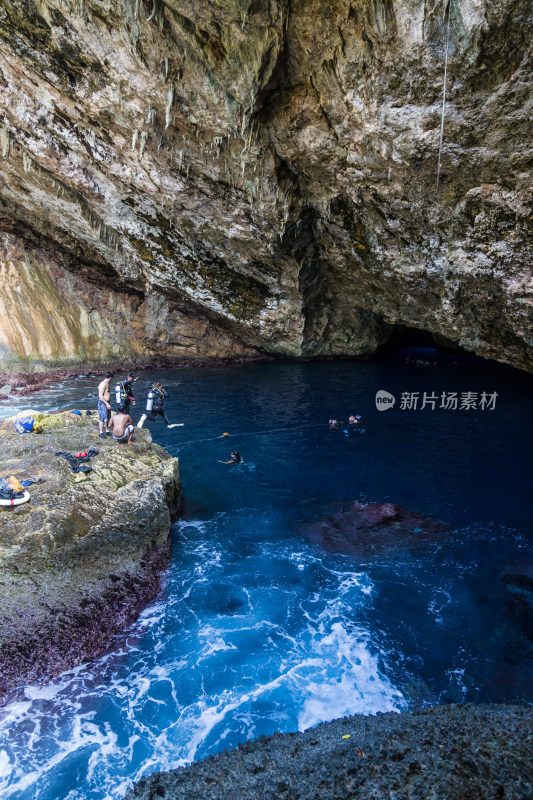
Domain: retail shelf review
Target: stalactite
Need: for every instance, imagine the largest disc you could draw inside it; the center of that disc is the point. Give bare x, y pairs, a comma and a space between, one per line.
170, 100
134, 139
142, 146
5, 141
153, 12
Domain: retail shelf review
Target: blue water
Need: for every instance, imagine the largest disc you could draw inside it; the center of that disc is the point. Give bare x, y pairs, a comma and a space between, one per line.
258, 630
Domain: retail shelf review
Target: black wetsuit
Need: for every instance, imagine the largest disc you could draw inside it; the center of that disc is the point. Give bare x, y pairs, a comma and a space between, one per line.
158, 409
126, 396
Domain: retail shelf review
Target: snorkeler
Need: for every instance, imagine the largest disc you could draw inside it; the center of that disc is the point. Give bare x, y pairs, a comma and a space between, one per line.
333, 423
234, 459
354, 420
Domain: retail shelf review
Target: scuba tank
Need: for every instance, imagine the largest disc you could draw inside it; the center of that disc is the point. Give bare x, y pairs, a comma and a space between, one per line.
117, 394
150, 400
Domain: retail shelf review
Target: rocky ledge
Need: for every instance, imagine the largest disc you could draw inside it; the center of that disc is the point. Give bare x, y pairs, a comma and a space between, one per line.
446, 753
86, 554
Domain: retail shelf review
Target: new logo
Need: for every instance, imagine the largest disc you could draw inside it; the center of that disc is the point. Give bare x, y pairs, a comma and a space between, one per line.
384, 400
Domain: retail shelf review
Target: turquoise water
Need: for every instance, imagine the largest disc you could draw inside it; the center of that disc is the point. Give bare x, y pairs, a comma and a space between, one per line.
259, 631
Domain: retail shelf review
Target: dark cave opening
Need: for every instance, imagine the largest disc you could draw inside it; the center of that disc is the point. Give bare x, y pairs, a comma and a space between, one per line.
405, 337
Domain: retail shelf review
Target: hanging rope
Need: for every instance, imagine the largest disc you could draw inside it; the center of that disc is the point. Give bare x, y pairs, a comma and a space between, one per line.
444, 92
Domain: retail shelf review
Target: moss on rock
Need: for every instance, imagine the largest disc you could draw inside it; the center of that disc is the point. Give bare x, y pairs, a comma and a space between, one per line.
82, 557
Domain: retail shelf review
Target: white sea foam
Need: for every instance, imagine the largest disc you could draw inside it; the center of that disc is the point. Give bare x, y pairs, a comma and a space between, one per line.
288, 659
5, 767
457, 680
215, 643
440, 599
195, 524
357, 685
48, 692
350, 580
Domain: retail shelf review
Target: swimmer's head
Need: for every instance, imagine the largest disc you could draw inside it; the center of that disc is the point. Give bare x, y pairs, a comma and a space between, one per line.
225, 434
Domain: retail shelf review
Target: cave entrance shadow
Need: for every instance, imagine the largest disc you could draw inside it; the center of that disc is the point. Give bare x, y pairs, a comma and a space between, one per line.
406, 337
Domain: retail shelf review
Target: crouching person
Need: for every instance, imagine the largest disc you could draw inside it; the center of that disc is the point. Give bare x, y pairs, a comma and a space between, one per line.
122, 427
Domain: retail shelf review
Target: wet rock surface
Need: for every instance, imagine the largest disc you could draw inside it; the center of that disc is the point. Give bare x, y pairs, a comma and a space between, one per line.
86, 554
447, 753
515, 629
207, 178
374, 528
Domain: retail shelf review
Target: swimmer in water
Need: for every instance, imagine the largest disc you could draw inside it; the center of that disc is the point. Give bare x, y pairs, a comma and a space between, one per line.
333, 423
354, 420
234, 459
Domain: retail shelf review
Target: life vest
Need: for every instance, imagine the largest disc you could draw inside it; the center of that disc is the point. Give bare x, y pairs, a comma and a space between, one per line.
159, 397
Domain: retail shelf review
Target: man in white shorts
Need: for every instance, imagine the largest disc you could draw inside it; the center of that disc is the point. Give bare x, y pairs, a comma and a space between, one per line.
122, 427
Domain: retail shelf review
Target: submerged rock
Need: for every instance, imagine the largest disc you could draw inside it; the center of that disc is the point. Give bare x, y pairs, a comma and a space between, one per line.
373, 528
515, 629
446, 753
517, 577
82, 558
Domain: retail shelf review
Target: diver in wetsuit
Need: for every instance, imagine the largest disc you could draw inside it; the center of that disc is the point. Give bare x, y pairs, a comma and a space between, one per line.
159, 399
126, 393
154, 407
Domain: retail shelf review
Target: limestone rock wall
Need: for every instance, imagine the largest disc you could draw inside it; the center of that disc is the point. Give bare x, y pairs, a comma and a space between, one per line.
262, 173
53, 317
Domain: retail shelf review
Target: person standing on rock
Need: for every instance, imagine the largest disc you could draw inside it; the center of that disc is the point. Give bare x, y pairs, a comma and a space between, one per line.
104, 406
126, 393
